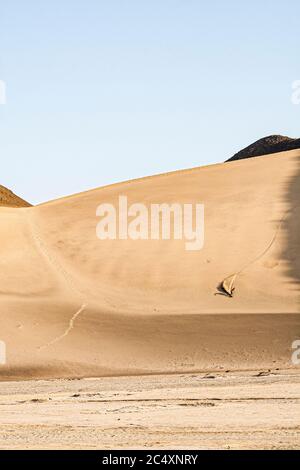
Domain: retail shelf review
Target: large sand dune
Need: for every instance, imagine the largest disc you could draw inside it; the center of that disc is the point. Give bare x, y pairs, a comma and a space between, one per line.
72, 305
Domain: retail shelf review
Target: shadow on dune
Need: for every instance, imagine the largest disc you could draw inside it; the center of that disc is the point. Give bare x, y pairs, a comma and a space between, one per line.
291, 227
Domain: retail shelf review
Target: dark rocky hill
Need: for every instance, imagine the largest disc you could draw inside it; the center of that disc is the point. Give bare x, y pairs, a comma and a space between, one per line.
9, 199
266, 146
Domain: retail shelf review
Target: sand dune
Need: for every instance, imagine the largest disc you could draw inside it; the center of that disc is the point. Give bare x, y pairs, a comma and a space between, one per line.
74, 306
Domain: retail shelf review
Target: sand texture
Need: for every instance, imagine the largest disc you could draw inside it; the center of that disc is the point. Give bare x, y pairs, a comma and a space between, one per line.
221, 411
75, 306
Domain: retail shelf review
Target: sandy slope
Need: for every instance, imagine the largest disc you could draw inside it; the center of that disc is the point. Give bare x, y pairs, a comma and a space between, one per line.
224, 411
72, 305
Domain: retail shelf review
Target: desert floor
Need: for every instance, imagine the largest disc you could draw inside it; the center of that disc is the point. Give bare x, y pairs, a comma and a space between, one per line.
256, 410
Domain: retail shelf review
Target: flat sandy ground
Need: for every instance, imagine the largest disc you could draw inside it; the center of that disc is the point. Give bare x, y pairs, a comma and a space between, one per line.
199, 411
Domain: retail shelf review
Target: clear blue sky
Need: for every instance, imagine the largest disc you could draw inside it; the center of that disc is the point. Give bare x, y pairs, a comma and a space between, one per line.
100, 91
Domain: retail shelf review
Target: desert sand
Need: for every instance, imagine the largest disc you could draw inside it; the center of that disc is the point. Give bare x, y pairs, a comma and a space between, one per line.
124, 311
199, 411
76, 306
